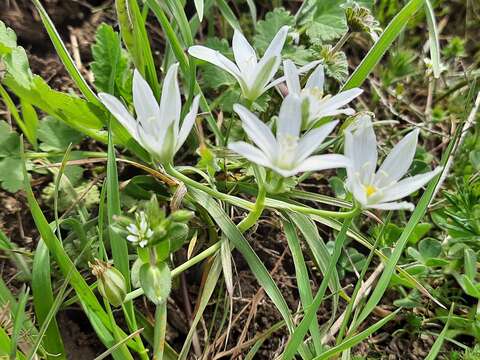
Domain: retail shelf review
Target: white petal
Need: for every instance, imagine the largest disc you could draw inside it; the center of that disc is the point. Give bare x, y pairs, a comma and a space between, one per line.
146, 105
337, 101
170, 103
244, 54
322, 162
313, 139
250, 153
290, 117
216, 58
409, 185
276, 46
120, 112
355, 187
132, 238
302, 70
260, 133
257, 80
393, 206
291, 76
188, 123
316, 79
361, 148
398, 161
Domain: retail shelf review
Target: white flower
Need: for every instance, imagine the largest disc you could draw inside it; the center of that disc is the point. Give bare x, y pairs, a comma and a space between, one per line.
157, 128
252, 74
319, 105
288, 153
381, 189
140, 232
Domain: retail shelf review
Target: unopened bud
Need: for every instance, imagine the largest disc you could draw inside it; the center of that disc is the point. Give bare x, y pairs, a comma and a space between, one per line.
181, 215
111, 283
156, 281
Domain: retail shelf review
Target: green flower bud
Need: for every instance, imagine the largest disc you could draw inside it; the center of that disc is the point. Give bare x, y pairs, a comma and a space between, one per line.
111, 283
177, 234
156, 281
182, 215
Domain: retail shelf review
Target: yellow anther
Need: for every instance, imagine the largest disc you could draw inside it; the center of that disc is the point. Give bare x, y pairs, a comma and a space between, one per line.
370, 190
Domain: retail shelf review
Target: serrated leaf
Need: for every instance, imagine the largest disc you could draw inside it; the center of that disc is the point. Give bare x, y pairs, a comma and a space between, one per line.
55, 135
11, 175
9, 141
329, 22
268, 28
17, 66
110, 62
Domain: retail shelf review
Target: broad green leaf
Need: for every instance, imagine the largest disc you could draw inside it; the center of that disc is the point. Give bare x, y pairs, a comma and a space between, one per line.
56, 136
11, 176
8, 39
268, 28
329, 23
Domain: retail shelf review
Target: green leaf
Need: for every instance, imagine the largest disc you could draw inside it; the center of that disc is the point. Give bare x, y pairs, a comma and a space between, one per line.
430, 248
17, 66
11, 176
199, 6
9, 141
329, 22
56, 136
268, 28
8, 39
110, 62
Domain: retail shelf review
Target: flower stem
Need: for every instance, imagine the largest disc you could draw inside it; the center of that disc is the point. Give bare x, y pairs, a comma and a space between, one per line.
178, 270
160, 330
253, 216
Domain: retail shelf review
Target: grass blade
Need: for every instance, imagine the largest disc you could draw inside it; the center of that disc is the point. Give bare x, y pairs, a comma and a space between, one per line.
433, 41
43, 302
18, 322
391, 32
437, 345
64, 55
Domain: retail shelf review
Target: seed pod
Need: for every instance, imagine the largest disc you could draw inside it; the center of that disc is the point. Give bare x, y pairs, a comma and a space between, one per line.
181, 215
111, 283
156, 281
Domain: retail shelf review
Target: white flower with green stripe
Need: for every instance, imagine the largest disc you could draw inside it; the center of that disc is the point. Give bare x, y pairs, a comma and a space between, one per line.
382, 188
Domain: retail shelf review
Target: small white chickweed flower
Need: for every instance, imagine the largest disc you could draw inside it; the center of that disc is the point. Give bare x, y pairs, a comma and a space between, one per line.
157, 127
139, 232
289, 152
254, 75
381, 189
319, 104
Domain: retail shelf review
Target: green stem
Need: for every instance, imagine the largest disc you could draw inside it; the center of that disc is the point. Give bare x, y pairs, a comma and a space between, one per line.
178, 270
245, 204
253, 215
160, 331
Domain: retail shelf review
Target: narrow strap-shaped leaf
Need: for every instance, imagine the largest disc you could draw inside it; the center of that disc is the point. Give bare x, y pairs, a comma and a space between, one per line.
437, 345
375, 54
64, 55
43, 302
239, 241
303, 280
433, 41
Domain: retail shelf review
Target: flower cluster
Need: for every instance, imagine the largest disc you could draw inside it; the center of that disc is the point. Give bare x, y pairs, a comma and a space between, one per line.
303, 124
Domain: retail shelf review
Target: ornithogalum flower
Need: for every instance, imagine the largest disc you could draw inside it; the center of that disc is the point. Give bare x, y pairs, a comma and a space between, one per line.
319, 104
381, 189
157, 127
254, 75
289, 152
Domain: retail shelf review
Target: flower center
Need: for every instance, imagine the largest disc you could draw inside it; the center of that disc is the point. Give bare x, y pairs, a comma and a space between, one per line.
287, 150
370, 190
315, 93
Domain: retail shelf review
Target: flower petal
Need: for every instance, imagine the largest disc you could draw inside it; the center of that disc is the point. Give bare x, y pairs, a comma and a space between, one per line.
250, 153
170, 103
216, 58
313, 139
301, 70
361, 148
257, 80
276, 45
187, 124
244, 54
393, 206
120, 112
260, 133
146, 105
398, 161
409, 185
322, 162
332, 104
290, 117
316, 79
291, 76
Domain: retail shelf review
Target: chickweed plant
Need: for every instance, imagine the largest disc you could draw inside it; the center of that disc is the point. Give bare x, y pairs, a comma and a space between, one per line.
224, 128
